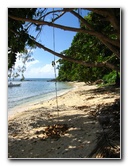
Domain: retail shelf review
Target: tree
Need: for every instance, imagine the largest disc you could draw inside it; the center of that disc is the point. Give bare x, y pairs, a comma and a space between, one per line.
108, 37
88, 48
18, 37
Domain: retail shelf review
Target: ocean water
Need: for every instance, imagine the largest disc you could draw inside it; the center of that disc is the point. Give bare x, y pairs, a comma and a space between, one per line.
34, 90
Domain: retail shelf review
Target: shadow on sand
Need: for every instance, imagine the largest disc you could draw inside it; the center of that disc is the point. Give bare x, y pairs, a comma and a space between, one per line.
86, 135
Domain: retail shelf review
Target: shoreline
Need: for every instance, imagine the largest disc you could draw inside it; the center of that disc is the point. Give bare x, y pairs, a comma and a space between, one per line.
30, 104
27, 129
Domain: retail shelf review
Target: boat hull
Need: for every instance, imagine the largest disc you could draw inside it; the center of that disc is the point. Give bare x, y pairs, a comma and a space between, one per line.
13, 85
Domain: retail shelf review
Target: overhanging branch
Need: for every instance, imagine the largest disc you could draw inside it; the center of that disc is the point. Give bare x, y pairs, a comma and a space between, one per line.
97, 34
51, 24
108, 14
94, 64
67, 28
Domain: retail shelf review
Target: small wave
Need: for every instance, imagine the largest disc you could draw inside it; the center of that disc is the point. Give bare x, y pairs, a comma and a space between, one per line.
30, 92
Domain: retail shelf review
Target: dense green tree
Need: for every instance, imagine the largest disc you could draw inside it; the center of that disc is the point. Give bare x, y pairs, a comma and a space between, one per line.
88, 48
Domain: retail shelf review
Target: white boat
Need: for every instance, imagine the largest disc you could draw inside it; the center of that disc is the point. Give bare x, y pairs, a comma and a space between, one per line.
13, 85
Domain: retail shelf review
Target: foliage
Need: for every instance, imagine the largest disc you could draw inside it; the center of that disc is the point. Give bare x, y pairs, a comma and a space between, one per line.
18, 37
23, 58
89, 49
111, 77
95, 50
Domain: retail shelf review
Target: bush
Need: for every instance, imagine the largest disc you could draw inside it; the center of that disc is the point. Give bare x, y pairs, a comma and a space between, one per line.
110, 78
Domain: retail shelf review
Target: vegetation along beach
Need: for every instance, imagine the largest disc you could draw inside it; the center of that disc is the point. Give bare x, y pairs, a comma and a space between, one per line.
64, 83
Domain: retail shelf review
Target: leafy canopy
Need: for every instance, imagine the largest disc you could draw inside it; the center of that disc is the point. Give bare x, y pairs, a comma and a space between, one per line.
96, 46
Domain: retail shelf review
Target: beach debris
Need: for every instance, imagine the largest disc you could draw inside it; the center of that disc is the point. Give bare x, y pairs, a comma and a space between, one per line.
53, 131
56, 130
89, 98
82, 107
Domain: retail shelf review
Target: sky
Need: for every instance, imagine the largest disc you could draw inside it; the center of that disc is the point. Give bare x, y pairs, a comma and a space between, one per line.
42, 67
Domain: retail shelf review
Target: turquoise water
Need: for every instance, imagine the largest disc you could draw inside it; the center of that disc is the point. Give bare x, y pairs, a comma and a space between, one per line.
34, 90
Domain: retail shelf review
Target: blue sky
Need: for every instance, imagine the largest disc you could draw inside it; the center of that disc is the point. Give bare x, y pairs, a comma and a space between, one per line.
42, 66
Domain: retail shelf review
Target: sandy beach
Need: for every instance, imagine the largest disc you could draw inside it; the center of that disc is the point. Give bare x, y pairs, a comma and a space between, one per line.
42, 131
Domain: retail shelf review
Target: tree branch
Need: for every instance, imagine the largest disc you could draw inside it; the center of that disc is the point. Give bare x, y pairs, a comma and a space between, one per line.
51, 13
53, 20
41, 22
108, 13
97, 34
95, 64
91, 32
113, 49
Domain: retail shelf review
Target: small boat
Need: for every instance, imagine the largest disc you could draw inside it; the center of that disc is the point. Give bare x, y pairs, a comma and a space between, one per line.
13, 85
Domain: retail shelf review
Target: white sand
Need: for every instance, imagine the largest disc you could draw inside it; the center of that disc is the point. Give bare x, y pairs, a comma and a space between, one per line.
75, 108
